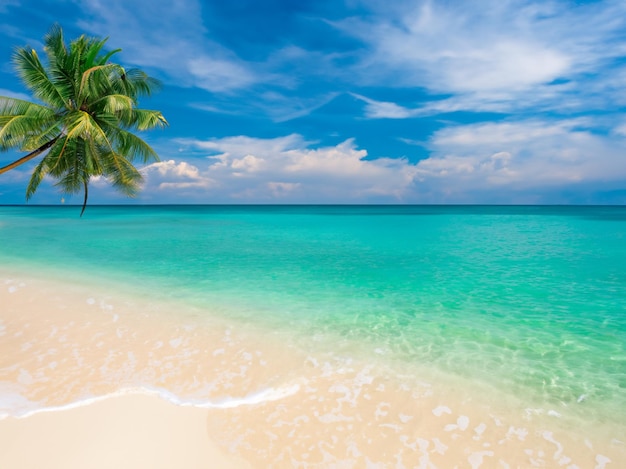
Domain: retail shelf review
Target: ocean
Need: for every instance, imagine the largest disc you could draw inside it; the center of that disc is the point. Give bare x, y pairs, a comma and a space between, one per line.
526, 303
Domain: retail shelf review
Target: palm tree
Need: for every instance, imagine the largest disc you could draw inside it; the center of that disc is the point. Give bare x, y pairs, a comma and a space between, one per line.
83, 121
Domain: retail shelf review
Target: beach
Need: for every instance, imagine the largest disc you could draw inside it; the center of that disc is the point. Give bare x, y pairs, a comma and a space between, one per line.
103, 371
322, 414
131, 431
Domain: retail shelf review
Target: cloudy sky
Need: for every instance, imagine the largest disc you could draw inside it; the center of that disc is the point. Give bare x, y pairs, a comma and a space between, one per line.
359, 101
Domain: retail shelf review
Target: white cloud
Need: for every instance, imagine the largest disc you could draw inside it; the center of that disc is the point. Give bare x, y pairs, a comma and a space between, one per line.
283, 108
493, 55
247, 169
510, 162
460, 48
180, 176
520, 156
384, 109
169, 36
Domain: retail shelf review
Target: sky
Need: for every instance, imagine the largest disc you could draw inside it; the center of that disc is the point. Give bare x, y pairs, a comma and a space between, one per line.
357, 101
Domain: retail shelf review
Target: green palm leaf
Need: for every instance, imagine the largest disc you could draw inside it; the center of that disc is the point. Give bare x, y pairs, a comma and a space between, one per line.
83, 126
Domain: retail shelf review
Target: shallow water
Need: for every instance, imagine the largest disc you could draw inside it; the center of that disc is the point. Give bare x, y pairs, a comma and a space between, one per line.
524, 302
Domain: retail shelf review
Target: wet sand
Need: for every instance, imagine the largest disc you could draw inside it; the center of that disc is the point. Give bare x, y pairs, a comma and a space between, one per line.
202, 387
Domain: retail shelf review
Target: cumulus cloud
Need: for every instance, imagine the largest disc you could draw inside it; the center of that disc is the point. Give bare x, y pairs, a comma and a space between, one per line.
519, 157
246, 169
529, 161
524, 161
172, 175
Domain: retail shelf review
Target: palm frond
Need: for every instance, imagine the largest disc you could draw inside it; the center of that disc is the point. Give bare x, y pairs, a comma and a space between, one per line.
105, 59
115, 104
71, 182
42, 137
39, 173
95, 84
46, 166
122, 174
133, 147
21, 120
80, 124
136, 83
35, 78
93, 50
84, 128
54, 44
142, 119
10, 107
93, 157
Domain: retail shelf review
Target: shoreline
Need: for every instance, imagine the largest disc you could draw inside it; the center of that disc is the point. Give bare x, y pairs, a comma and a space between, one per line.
264, 403
128, 431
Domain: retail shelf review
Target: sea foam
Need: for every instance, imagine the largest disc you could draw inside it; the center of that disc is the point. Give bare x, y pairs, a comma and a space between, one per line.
14, 405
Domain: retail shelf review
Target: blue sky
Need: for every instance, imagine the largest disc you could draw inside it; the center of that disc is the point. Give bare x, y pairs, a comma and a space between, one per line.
359, 101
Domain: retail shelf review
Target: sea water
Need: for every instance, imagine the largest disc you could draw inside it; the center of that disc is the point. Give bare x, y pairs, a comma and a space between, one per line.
530, 301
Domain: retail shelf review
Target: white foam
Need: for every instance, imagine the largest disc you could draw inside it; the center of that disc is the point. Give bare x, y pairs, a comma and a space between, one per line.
521, 433
602, 461
463, 422
440, 448
12, 402
479, 430
380, 410
174, 343
393, 426
442, 409
23, 408
548, 436
265, 395
476, 459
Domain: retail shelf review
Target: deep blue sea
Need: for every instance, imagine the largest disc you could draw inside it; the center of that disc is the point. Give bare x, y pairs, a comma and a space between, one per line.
531, 300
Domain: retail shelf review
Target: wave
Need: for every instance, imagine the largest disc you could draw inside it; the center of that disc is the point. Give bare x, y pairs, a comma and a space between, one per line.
19, 407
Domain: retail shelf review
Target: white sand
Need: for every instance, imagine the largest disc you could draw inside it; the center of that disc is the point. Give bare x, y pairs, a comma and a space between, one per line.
134, 432
62, 341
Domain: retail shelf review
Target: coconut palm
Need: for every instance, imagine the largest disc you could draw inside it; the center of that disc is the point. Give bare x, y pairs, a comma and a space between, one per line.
83, 119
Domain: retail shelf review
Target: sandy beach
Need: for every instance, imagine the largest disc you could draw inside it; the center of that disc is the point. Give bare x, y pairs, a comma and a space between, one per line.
91, 379
133, 431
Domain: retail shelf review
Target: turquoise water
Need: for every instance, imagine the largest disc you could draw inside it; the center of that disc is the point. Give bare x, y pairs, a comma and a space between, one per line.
531, 300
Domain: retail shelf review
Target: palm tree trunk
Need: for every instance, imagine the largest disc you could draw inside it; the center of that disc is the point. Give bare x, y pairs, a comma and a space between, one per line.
85, 200
30, 156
